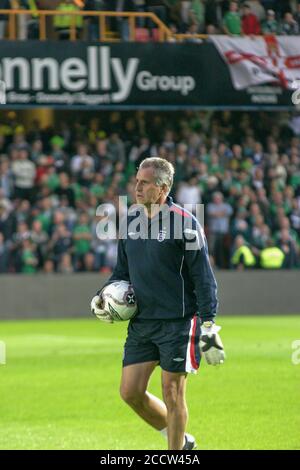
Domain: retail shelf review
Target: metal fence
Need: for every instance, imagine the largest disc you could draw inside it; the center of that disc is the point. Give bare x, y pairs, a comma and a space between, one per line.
105, 34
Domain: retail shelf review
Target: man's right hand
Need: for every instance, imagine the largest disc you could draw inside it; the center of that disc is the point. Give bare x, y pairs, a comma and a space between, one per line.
97, 309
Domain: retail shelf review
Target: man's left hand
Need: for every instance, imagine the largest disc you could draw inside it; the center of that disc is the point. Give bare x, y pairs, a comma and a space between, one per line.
211, 344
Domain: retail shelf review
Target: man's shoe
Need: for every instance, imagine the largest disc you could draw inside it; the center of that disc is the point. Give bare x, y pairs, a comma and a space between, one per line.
190, 442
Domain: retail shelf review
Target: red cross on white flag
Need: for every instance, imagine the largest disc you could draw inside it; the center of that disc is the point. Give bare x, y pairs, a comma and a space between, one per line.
255, 61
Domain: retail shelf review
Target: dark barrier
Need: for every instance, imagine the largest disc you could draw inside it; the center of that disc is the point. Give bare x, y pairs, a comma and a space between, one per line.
129, 75
247, 293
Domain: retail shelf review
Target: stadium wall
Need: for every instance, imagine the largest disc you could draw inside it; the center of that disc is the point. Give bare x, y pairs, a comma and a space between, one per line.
60, 296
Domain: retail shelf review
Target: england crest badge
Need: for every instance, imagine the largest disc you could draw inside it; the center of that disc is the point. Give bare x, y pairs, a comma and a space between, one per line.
161, 235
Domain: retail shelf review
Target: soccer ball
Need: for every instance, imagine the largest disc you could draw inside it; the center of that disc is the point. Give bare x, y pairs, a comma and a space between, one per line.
119, 300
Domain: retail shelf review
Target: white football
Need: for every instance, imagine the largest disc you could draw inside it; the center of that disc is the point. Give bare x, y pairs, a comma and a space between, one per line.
119, 300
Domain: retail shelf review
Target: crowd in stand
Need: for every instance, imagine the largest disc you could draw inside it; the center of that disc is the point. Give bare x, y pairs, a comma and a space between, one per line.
244, 17
244, 168
210, 16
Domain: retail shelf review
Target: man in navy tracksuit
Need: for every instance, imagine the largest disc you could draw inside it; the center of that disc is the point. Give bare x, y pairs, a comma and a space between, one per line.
162, 251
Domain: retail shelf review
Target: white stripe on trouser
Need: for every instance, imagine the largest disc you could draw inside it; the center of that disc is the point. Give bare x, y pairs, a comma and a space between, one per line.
188, 363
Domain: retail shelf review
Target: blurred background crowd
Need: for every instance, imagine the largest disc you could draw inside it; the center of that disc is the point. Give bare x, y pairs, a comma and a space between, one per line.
245, 168
251, 17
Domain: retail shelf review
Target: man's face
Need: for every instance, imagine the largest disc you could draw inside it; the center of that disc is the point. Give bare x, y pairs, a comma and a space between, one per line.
233, 6
23, 154
147, 192
218, 199
82, 150
83, 219
64, 180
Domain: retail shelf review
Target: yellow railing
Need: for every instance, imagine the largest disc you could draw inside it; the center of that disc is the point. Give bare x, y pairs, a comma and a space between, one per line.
164, 33
41, 15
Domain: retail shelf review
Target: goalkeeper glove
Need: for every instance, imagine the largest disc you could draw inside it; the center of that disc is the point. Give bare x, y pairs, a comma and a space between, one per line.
97, 309
210, 344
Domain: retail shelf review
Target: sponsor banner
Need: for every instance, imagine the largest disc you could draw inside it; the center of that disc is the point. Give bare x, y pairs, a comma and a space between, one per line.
101, 76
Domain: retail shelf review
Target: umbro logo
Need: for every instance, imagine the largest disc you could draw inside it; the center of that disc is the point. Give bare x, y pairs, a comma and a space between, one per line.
178, 359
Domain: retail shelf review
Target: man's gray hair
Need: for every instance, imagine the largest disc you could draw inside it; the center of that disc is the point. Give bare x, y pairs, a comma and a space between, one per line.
163, 170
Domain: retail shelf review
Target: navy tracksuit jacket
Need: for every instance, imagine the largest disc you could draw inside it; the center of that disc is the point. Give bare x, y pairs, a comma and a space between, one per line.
166, 260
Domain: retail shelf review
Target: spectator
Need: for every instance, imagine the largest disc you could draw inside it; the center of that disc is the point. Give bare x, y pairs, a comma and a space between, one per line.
60, 243
232, 20
40, 239
65, 265
94, 32
37, 152
242, 257
4, 5
189, 192
258, 178
123, 22
24, 172
295, 216
111, 256
219, 214
7, 222
257, 9
297, 15
29, 260
44, 213
271, 257
22, 211
211, 29
157, 7
82, 162
289, 247
48, 267
193, 31
140, 6
283, 6
250, 22
213, 16
285, 224
258, 154
32, 21
4, 254
197, 14
289, 26
22, 233
270, 25
2, 139
64, 189
82, 241
6, 178
4, 201
89, 263
61, 161
63, 23
240, 224
115, 148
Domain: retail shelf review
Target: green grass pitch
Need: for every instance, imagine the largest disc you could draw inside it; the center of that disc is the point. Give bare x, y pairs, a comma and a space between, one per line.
60, 388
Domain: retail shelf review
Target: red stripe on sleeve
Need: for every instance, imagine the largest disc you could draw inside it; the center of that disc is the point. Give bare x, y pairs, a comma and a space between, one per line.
179, 211
194, 363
